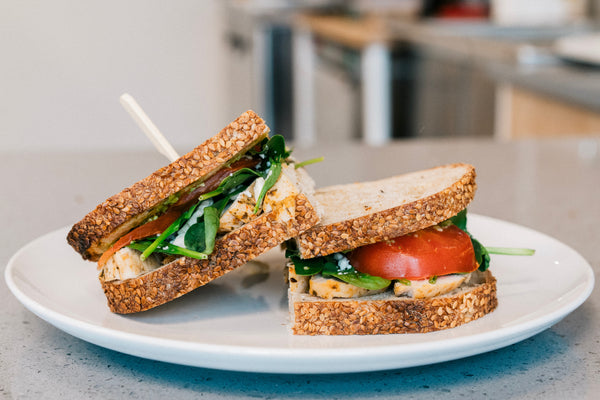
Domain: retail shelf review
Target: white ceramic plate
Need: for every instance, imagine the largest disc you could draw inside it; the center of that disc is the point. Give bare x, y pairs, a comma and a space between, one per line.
239, 322
583, 48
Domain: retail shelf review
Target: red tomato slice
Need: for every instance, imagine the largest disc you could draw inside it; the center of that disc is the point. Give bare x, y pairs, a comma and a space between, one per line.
429, 252
148, 229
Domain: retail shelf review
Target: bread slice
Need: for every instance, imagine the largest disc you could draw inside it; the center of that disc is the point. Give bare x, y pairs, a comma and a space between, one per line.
98, 230
363, 213
386, 314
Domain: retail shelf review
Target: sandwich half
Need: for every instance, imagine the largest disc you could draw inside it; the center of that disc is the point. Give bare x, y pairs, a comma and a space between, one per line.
391, 256
212, 210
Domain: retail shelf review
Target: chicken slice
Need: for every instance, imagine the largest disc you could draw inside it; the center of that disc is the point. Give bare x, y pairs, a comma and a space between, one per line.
328, 288
422, 289
280, 198
241, 211
126, 263
298, 283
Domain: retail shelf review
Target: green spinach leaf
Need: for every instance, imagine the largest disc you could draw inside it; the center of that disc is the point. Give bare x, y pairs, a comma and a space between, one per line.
481, 255
240, 177
174, 227
270, 180
307, 267
211, 226
460, 220
201, 236
168, 248
328, 266
510, 251
274, 150
308, 162
362, 280
195, 237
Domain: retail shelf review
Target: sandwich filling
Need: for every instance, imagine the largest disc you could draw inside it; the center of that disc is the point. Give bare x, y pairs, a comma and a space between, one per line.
232, 197
422, 264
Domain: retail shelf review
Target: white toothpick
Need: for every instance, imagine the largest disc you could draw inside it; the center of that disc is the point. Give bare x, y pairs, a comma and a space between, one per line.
140, 117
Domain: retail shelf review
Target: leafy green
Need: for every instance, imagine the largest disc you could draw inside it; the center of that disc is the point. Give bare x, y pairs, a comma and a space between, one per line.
270, 180
510, 251
305, 267
274, 154
309, 162
232, 182
211, 226
200, 237
174, 227
195, 238
328, 266
228, 188
236, 179
362, 280
460, 220
482, 253
274, 150
168, 248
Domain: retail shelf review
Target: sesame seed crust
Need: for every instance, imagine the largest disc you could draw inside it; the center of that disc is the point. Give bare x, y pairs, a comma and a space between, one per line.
394, 315
231, 251
117, 215
322, 240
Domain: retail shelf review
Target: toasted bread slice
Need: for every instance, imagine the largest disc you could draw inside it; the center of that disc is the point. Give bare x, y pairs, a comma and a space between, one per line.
98, 230
386, 313
363, 213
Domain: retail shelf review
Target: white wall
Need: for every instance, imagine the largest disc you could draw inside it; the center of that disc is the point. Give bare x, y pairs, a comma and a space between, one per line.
64, 64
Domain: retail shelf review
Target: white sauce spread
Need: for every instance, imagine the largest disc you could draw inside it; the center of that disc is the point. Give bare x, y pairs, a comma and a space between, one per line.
179, 239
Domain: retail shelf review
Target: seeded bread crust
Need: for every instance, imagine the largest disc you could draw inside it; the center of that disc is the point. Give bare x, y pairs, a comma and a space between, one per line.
324, 239
96, 232
231, 251
313, 316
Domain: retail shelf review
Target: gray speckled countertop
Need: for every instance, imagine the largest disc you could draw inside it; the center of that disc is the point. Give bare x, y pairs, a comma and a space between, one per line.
551, 186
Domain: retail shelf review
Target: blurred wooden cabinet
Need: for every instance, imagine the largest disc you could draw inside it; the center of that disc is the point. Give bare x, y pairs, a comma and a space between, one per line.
521, 113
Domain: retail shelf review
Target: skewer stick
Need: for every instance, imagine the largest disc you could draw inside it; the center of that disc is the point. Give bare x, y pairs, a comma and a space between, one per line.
144, 122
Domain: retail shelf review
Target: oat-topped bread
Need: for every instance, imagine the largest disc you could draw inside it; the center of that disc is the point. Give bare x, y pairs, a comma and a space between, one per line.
391, 256
212, 210
367, 212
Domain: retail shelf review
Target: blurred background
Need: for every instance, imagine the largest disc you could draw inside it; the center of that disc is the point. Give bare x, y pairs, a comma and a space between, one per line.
316, 70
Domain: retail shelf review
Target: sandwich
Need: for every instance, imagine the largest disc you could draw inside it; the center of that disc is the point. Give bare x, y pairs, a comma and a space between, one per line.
391, 256
227, 201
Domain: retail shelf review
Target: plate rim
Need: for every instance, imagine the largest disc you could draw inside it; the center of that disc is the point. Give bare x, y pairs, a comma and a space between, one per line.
280, 355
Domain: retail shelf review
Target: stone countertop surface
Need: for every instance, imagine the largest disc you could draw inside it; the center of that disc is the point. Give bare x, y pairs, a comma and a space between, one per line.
552, 186
522, 56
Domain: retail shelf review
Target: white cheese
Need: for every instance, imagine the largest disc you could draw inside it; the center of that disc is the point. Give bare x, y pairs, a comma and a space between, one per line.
344, 264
